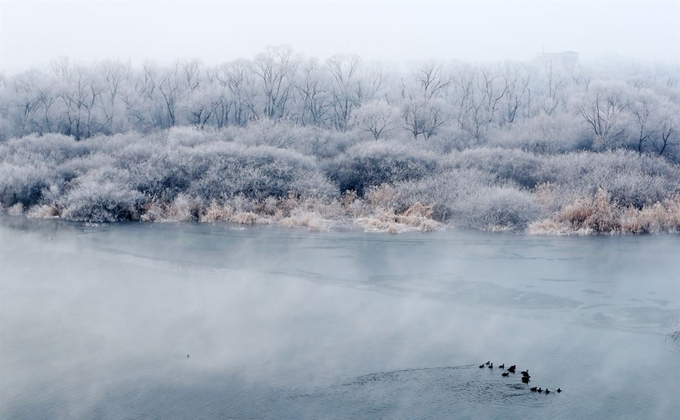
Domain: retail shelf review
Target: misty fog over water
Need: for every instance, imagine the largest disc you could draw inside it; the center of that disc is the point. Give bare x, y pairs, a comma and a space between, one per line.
97, 322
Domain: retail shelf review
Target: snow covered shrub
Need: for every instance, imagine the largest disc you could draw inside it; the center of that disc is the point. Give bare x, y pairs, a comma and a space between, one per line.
80, 166
544, 134
266, 132
497, 208
49, 149
23, 183
325, 144
448, 139
103, 195
375, 163
191, 137
219, 170
630, 178
514, 165
442, 192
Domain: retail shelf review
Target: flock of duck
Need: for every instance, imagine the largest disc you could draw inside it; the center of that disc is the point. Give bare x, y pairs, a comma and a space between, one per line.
525, 375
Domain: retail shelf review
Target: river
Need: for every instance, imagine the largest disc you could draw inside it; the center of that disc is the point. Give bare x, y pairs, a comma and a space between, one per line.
180, 321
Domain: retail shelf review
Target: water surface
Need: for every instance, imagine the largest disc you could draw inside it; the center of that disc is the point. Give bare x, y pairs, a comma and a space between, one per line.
96, 323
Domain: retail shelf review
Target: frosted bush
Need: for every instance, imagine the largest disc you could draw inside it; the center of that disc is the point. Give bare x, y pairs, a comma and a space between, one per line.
441, 191
221, 170
516, 165
102, 196
49, 149
375, 163
630, 178
497, 208
23, 184
270, 133
544, 134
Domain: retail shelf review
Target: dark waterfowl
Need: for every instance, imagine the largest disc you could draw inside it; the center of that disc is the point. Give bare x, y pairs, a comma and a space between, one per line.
534, 389
488, 362
502, 366
547, 391
505, 374
540, 390
481, 366
559, 390
525, 380
491, 366
525, 372
512, 368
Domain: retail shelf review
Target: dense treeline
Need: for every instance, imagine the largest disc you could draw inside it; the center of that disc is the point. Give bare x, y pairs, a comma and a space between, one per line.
544, 107
299, 141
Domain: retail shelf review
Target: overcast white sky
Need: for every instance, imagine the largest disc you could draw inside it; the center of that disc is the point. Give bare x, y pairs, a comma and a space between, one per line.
34, 32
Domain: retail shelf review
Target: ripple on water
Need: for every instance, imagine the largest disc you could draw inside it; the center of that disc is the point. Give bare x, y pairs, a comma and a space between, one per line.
467, 391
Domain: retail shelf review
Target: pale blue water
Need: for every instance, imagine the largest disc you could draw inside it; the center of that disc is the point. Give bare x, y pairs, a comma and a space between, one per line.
97, 322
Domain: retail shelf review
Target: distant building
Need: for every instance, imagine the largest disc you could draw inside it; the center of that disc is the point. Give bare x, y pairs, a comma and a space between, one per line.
565, 59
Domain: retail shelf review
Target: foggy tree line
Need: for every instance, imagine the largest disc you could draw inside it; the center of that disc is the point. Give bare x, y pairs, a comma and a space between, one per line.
539, 107
292, 140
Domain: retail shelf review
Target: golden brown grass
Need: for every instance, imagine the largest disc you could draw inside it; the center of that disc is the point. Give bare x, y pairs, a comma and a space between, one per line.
599, 215
43, 212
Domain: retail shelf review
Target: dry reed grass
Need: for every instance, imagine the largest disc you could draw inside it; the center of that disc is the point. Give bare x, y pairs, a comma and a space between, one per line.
600, 215
43, 212
415, 218
16, 210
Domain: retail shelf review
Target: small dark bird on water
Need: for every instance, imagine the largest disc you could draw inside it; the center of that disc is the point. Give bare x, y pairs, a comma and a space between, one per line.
481, 366
534, 389
547, 391
540, 390
505, 374
512, 368
187, 356
502, 366
525, 380
488, 362
559, 390
491, 366
525, 372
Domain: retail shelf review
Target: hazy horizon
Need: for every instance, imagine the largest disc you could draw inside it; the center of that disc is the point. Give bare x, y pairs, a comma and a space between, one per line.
33, 33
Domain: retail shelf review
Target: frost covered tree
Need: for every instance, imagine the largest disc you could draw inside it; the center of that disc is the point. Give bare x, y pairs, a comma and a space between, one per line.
345, 88
604, 109
276, 69
377, 118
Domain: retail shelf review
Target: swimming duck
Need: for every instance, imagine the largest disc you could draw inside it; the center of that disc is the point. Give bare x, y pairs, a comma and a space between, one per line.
559, 390
512, 368
491, 366
540, 390
481, 366
525, 372
547, 391
502, 366
505, 374
534, 389
525, 380
488, 363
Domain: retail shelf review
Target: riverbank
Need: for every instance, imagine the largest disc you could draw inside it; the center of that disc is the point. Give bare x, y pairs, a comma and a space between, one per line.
399, 185
583, 217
